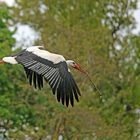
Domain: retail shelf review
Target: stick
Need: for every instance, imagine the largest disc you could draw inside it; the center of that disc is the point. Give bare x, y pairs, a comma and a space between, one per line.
95, 87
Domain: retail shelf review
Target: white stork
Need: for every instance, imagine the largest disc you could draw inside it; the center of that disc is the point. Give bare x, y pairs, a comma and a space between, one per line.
39, 63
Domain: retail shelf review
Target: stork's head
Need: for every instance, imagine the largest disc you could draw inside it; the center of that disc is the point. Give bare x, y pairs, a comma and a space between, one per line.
75, 65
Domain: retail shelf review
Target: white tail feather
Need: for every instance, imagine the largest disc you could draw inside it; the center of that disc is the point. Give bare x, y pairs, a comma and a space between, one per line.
10, 60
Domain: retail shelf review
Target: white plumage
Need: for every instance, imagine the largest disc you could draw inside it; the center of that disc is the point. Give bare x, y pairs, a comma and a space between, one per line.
55, 58
10, 60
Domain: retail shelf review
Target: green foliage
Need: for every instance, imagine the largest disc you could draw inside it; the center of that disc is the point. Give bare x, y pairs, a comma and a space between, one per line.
88, 32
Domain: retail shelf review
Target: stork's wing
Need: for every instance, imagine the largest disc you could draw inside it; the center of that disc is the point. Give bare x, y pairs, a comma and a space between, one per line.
58, 76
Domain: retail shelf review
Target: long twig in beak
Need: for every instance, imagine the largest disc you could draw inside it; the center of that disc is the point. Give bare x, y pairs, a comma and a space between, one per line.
94, 86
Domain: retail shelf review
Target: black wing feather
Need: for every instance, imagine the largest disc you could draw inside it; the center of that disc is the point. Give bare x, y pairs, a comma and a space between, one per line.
58, 76
74, 89
30, 77
34, 79
63, 92
67, 92
59, 91
38, 81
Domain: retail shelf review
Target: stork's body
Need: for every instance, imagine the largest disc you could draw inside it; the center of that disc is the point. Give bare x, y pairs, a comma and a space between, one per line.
38, 51
40, 64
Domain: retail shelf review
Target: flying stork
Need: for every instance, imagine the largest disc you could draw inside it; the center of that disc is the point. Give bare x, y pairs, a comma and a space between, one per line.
40, 64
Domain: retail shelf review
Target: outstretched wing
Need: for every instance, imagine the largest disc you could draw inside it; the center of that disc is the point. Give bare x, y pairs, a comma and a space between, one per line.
59, 78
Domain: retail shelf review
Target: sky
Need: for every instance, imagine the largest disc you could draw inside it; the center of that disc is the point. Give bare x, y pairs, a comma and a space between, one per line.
24, 32
137, 18
9, 2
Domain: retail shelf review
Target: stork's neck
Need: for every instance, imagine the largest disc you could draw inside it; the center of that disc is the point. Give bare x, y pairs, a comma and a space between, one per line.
68, 62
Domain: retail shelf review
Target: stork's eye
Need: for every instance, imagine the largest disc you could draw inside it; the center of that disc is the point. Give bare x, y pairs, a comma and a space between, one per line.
73, 63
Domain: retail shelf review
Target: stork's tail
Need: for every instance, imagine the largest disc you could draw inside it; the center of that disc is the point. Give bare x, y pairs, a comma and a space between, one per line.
9, 59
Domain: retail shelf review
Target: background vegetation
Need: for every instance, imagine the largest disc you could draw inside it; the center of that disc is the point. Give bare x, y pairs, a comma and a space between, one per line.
96, 34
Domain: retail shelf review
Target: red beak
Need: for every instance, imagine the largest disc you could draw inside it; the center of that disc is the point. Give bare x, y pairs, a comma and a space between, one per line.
78, 67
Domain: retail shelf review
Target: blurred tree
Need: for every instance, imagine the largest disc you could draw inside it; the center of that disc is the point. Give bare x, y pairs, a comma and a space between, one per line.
13, 109
98, 35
